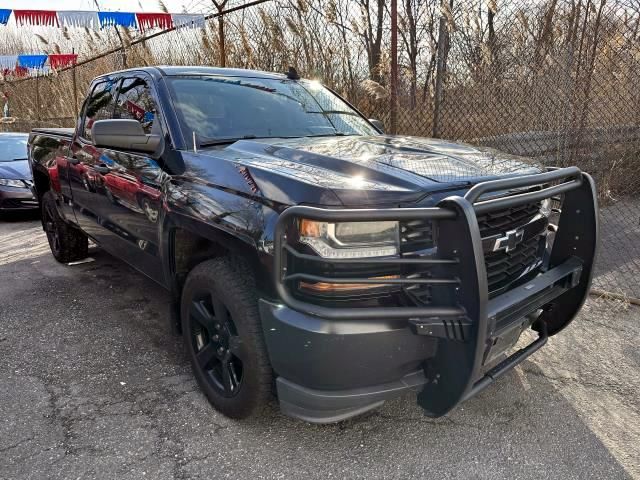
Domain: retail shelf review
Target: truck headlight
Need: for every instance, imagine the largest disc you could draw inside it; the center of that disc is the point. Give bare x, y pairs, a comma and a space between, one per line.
9, 182
350, 239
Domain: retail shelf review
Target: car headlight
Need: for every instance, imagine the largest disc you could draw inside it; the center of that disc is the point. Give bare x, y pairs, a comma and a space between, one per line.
350, 239
8, 182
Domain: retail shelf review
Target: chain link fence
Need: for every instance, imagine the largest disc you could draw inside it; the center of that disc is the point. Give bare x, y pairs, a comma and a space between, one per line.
554, 80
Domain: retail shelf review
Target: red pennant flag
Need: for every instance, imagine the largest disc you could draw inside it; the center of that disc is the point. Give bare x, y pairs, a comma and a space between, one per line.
61, 60
47, 18
21, 71
136, 110
152, 20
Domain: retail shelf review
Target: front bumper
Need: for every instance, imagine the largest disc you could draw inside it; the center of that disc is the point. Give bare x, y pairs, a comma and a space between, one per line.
17, 199
330, 370
333, 363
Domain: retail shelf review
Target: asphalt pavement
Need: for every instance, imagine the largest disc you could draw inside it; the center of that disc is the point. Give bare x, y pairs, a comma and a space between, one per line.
93, 385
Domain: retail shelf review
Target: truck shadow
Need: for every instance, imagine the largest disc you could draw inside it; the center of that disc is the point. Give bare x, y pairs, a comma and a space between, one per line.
109, 329
19, 216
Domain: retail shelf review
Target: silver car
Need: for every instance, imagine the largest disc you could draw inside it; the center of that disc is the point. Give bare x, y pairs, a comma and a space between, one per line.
15, 176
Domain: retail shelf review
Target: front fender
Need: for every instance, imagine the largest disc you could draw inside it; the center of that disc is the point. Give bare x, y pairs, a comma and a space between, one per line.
239, 223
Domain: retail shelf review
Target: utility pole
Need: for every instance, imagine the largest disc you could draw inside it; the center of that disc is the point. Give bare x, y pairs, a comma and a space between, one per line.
394, 67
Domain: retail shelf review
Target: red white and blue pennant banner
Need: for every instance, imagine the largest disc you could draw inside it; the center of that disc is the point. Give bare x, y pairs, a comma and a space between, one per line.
23, 65
98, 20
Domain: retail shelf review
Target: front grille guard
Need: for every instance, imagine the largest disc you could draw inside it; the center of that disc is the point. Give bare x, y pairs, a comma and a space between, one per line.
466, 331
456, 212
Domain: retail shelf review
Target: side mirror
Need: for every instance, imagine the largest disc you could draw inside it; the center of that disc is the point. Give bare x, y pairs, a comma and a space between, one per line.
378, 124
124, 135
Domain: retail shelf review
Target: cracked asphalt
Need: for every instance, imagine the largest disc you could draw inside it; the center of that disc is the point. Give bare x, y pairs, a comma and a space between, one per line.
93, 385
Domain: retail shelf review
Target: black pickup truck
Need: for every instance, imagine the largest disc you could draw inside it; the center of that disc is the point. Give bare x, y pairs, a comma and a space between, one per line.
306, 250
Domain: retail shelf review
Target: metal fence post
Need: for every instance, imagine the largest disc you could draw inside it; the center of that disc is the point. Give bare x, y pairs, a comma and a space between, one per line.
394, 67
38, 97
75, 87
441, 66
220, 5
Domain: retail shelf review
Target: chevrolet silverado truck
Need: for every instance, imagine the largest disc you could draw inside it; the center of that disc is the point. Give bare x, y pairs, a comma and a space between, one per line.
308, 254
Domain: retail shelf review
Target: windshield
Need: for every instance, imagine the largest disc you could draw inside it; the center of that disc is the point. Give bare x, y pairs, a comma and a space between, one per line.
223, 108
12, 148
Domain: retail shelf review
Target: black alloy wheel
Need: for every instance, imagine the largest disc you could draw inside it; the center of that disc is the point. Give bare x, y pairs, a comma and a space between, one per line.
219, 351
223, 336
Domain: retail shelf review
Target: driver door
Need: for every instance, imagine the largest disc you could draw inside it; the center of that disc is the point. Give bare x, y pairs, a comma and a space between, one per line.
126, 205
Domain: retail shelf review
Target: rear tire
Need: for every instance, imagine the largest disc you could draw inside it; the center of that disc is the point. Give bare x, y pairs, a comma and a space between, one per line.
67, 243
223, 337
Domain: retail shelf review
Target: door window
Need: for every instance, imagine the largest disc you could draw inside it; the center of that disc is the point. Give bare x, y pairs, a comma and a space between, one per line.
100, 106
135, 102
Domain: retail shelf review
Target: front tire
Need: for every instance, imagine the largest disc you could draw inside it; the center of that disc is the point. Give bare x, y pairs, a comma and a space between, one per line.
223, 337
67, 243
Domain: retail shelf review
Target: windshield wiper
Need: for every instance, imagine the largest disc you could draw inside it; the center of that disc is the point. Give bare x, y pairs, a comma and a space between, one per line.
18, 159
335, 134
335, 112
226, 141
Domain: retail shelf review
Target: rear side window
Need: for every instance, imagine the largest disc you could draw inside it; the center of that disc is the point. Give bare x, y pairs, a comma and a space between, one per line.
136, 102
100, 105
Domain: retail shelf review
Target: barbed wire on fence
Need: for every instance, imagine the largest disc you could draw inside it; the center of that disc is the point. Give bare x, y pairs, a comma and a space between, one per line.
555, 80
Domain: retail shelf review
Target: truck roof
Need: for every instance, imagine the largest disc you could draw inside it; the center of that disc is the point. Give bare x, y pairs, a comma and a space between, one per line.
169, 70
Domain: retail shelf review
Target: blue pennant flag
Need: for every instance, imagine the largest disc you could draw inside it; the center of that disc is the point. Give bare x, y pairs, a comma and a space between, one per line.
124, 19
32, 61
5, 13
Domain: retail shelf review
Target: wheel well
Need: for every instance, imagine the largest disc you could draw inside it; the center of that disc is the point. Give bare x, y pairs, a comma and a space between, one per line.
41, 182
190, 249
187, 250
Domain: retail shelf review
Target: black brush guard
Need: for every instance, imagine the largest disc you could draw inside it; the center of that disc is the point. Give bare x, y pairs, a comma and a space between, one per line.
467, 332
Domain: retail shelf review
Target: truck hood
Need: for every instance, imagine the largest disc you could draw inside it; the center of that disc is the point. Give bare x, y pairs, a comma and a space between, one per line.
368, 170
15, 170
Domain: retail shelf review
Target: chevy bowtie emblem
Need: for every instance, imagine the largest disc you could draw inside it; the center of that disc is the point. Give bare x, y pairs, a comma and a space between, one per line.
509, 242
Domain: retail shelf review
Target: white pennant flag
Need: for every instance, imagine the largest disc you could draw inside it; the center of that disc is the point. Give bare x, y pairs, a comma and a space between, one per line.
8, 62
188, 20
78, 19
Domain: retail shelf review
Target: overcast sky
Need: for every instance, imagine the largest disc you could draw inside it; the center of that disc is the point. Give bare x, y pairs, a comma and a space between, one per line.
174, 6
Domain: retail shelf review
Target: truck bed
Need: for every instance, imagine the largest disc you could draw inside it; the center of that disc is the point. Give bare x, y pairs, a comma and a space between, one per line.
58, 132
